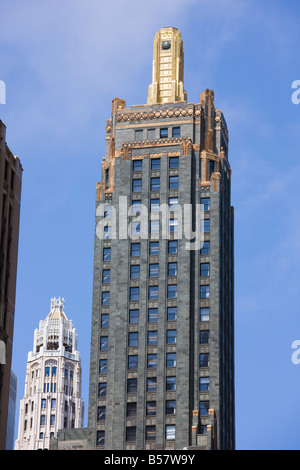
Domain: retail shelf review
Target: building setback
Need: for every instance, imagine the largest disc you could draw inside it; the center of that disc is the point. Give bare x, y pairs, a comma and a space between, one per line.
52, 396
162, 341
10, 190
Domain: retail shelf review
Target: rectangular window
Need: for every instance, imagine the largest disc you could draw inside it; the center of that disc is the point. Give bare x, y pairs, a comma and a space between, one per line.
163, 133
133, 339
154, 205
106, 276
155, 164
107, 212
173, 162
205, 226
43, 403
131, 409
172, 247
53, 403
171, 359
135, 208
43, 420
133, 361
204, 360
134, 294
137, 185
170, 432
150, 408
151, 384
170, 407
133, 316
171, 336
138, 136
173, 182
204, 337
103, 366
172, 269
152, 338
204, 313
172, 291
155, 184
54, 370
205, 201
103, 343
152, 315
205, 248
52, 420
131, 385
203, 408
153, 248
204, 384
204, 269
135, 228
47, 371
173, 225
105, 298
135, 271
153, 292
106, 254
173, 203
154, 227
172, 313
102, 389
100, 438
104, 320
131, 434
175, 131
171, 383
152, 361
107, 232
135, 249
153, 270
204, 292
101, 413
150, 434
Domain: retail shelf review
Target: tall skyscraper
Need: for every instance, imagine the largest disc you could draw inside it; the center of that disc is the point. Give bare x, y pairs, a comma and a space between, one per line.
162, 342
10, 190
52, 397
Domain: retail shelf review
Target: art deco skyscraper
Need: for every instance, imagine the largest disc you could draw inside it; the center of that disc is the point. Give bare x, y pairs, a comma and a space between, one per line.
52, 397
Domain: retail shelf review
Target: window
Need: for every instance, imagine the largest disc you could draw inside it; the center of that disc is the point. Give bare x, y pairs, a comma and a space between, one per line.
138, 136
102, 389
204, 384
153, 248
151, 384
204, 313
133, 316
163, 133
150, 434
53, 403
154, 205
133, 339
133, 361
152, 361
211, 167
106, 276
172, 247
173, 203
155, 164
107, 232
172, 269
152, 338
205, 248
204, 292
43, 420
134, 294
131, 385
172, 291
43, 403
176, 132
172, 313
135, 228
41, 435
171, 383
54, 370
205, 225
153, 292
137, 185
104, 320
203, 429
47, 371
153, 270
171, 359
101, 415
204, 337
150, 408
131, 409
170, 407
203, 408
131, 433
106, 254
105, 298
154, 227
52, 420
100, 438
103, 366
204, 269
135, 249
152, 315
103, 343
171, 336
205, 201
173, 182
155, 184
107, 212
135, 207
135, 271
173, 162
204, 360
173, 225
170, 432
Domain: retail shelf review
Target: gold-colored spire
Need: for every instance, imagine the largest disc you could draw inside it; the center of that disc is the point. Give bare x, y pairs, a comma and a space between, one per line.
167, 72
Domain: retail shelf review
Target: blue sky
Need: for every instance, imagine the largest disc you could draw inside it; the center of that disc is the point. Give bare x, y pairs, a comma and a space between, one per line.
63, 63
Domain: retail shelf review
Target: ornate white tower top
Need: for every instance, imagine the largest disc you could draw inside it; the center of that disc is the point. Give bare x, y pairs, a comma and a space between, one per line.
57, 309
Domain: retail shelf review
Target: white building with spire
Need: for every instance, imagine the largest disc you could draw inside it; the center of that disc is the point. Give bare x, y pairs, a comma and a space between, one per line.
52, 397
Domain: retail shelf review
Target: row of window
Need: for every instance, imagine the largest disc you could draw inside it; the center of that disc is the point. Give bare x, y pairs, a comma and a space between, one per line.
137, 165
154, 184
53, 371
150, 434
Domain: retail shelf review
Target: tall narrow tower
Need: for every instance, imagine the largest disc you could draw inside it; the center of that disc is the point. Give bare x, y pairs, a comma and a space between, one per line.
52, 397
